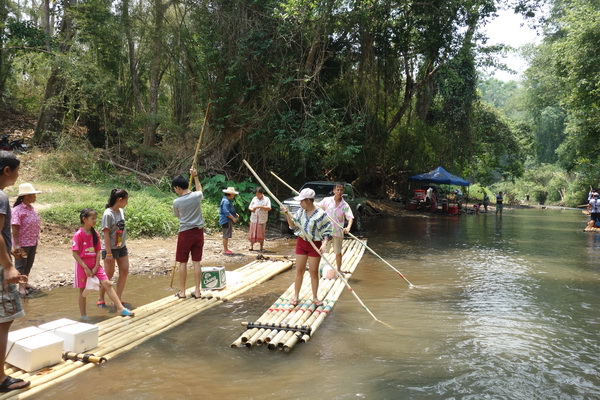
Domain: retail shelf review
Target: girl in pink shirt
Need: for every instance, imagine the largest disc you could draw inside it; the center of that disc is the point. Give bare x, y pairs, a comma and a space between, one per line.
87, 251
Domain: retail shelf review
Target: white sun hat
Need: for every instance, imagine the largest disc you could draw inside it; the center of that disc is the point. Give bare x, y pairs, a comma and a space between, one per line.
305, 194
230, 190
27, 188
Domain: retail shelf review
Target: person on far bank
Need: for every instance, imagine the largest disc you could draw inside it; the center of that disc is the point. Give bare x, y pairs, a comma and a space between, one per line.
259, 209
595, 210
86, 250
25, 224
227, 217
486, 201
190, 239
315, 223
114, 248
10, 300
499, 203
338, 210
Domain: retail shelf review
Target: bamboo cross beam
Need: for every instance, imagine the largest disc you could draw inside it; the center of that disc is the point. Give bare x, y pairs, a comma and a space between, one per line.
410, 285
315, 247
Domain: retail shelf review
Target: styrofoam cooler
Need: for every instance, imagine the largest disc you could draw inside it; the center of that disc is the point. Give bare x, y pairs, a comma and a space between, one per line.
33, 348
213, 278
78, 336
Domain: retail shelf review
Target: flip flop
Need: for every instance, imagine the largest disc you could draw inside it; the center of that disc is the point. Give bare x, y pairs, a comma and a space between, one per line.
101, 304
293, 302
318, 303
196, 297
9, 381
228, 253
127, 313
179, 297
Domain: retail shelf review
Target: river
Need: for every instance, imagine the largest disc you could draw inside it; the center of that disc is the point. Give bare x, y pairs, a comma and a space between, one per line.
504, 307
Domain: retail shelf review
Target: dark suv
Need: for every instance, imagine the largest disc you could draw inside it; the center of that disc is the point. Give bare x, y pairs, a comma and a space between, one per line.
325, 189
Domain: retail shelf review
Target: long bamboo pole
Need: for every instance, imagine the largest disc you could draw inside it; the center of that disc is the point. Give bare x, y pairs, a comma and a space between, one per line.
410, 285
200, 140
315, 247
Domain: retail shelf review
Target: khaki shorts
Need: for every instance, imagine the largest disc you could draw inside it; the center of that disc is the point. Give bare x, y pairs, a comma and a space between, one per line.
337, 245
11, 307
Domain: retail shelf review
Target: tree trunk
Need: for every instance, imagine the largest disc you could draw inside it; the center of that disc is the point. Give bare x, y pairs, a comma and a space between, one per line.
135, 78
52, 110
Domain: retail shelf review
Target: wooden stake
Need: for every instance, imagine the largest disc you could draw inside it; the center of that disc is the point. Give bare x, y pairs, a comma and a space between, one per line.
199, 142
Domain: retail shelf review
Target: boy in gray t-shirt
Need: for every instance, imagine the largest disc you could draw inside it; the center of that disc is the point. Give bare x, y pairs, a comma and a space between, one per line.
190, 239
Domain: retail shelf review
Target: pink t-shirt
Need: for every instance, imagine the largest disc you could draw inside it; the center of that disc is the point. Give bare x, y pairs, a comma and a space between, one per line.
338, 212
28, 221
83, 243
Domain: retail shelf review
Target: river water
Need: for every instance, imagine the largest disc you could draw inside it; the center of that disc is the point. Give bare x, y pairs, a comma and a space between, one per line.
504, 307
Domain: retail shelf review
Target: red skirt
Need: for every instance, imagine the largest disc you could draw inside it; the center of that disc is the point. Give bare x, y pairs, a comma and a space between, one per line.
256, 232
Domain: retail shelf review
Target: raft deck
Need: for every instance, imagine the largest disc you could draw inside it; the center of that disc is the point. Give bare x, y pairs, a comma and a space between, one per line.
119, 334
282, 326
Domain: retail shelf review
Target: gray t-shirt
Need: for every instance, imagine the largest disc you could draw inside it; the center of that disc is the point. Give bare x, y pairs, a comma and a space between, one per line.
187, 209
5, 210
114, 221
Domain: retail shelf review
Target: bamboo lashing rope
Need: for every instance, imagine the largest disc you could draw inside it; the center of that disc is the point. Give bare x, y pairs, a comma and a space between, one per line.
313, 245
410, 285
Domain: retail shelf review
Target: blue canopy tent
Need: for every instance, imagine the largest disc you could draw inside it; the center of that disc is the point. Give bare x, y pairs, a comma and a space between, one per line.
440, 176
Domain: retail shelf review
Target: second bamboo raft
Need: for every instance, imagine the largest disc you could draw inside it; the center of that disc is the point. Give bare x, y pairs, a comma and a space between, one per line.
282, 326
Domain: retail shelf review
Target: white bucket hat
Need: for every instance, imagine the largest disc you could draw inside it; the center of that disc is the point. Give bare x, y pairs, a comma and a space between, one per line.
27, 188
230, 190
305, 194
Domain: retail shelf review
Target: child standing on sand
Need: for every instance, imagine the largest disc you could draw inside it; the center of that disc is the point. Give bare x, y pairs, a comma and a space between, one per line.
86, 251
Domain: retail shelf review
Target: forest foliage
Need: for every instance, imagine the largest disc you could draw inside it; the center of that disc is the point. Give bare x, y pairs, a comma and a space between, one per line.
364, 91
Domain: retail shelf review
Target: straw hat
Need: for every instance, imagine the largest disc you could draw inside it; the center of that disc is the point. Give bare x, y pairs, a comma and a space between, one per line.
305, 194
230, 190
27, 188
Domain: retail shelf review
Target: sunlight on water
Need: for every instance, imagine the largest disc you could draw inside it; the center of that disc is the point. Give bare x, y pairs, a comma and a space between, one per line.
502, 308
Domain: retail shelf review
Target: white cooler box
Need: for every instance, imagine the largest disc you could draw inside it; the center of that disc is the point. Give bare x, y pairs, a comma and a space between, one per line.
32, 348
78, 336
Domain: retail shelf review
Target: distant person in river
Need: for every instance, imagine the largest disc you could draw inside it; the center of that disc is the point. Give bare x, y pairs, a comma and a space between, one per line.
227, 217
595, 210
190, 239
25, 224
339, 211
10, 300
259, 209
486, 201
499, 203
114, 235
86, 251
310, 223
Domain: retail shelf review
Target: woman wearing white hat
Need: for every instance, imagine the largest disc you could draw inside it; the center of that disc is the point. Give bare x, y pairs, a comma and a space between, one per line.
316, 225
25, 224
227, 217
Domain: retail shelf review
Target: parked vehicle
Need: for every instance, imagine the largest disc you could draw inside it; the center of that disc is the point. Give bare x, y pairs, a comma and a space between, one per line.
17, 146
325, 189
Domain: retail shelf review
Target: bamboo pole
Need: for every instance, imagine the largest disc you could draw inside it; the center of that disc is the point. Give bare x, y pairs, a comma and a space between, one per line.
315, 247
410, 285
200, 141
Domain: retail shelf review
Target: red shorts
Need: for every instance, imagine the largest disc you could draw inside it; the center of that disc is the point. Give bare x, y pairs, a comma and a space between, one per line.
190, 241
304, 247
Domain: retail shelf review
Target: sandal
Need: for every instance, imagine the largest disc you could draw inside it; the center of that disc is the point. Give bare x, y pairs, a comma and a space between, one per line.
101, 304
318, 303
179, 297
196, 297
9, 381
127, 313
294, 302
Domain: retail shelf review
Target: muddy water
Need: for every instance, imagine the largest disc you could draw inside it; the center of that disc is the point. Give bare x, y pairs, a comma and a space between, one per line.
504, 308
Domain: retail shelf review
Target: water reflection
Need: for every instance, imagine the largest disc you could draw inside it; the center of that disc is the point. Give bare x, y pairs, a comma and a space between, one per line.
504, 307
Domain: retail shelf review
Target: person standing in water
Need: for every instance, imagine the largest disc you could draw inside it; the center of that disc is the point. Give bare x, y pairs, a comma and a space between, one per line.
114, 247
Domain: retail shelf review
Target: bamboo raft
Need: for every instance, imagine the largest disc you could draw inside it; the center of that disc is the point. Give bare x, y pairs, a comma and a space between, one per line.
118, 334
282, 326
